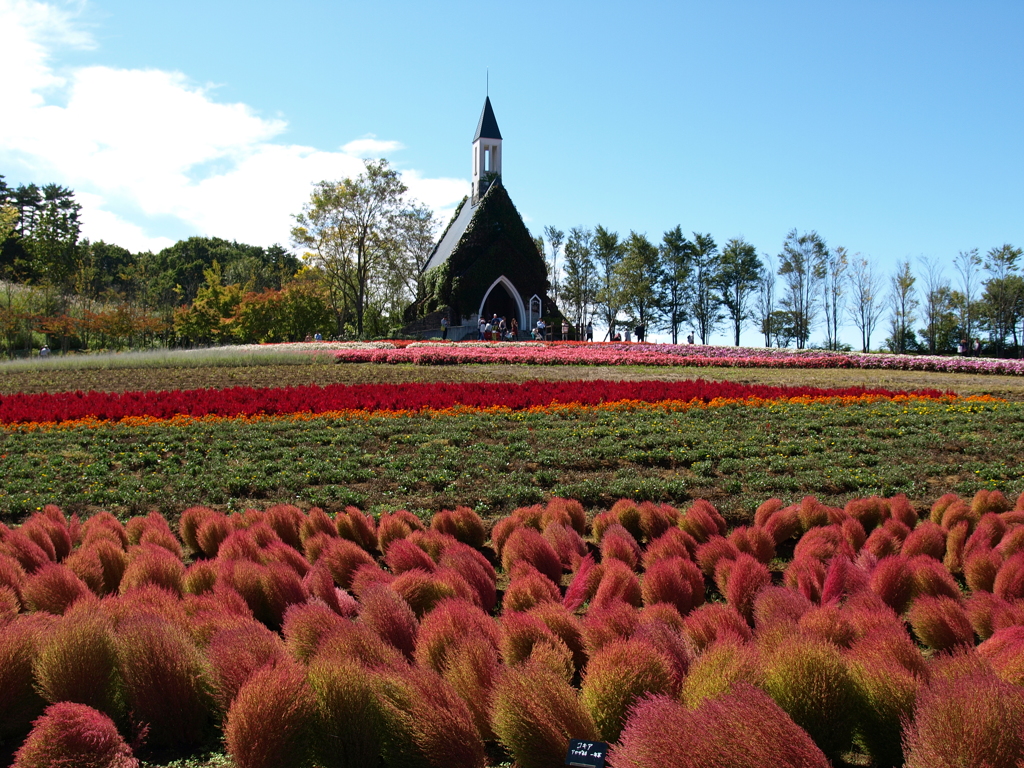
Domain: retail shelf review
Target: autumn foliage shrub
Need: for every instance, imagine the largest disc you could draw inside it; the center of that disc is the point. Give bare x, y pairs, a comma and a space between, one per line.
422, 721
403, 555
528, 588
475, 569
713, 622
20, 703
536, 712
718, 669
676, 581
753, 541
805, 575
30, 555
619, 544
77, 661
152, 564
741, 729
306, 625
893, 581
584, 584
702, 521
740, 580
443, 630
530, 546
53, 588
387, 614
714, 550
940, 623
354, 525
616, 677
567, 543
188, 526
344, 735
165, 681
675, 542
618, 582
462, 523
70, 734
272, 721
810, 680
235, 654
970, 719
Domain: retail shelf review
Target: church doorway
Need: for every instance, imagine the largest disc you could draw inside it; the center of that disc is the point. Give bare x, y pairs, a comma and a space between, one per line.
500, 301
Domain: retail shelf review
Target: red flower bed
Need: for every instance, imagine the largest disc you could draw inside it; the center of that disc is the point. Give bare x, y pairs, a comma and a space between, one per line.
246, 401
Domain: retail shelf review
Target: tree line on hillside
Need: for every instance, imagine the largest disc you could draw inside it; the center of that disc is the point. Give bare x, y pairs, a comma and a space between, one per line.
363, 245
693, 283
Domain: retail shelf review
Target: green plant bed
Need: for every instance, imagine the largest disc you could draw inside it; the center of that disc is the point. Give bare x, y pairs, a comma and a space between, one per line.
735, 456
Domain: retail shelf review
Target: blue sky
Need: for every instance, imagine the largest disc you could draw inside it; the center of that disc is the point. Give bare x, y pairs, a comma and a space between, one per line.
891, 128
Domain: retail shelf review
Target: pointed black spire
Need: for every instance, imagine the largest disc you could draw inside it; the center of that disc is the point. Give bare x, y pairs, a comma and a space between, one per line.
487, 128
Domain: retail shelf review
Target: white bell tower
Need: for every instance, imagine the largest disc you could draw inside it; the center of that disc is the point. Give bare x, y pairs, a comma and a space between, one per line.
486, 152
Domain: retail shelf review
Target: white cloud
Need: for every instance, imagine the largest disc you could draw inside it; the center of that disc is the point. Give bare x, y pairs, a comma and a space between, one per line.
150, 153
371, 146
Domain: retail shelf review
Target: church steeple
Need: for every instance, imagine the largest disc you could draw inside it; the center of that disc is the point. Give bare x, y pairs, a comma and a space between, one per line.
486, 152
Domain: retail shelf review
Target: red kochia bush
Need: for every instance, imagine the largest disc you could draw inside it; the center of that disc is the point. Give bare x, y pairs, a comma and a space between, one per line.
1009, 581
567, 543
972, 719
475, 569
753, 541
712, 622
676, 581
740, 580
528, 588
272, 721
444, 629
584, 583
403, 556
387, 614
940, 622
805, 575
675, 542
702, 521
527, 544
712, 551
30, 555
535, 714
618, 543
53, 588
70, 734
618, 582
152, 564
237, 653
342, 557
354, 525
893, 581
616, 677
49, 532
462, 523
742, 729
422, 590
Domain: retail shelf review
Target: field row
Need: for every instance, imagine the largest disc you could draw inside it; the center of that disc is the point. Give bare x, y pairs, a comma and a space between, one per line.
735, 455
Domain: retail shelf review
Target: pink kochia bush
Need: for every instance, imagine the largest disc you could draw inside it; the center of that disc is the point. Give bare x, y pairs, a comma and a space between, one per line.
307, 637
70, 734
741, 729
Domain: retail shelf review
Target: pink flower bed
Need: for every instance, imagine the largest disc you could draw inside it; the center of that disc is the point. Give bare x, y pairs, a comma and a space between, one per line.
577, 353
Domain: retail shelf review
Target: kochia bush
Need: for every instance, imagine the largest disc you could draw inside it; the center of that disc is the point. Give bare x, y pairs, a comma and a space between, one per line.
70, 734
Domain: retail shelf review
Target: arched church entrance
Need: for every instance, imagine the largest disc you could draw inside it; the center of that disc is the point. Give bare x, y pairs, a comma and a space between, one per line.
503, 300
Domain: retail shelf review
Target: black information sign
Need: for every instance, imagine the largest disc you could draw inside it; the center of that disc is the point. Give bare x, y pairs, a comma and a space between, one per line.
586, 754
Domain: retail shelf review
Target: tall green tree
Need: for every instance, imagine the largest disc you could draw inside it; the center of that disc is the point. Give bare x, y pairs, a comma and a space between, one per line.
707, 302
1001, 299
579, 288
940, 324
555, 238
53, 241
968, 267
677, 258
357, 233
802, 266
903, 305
640, 277
739, 275
764, 305
837, 265
608, 252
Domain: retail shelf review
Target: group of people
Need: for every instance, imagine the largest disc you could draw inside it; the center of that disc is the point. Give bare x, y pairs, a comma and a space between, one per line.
497, 329
640, 331
966, 347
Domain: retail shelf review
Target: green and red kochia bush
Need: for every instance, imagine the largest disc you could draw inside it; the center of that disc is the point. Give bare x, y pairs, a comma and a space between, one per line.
70, 734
